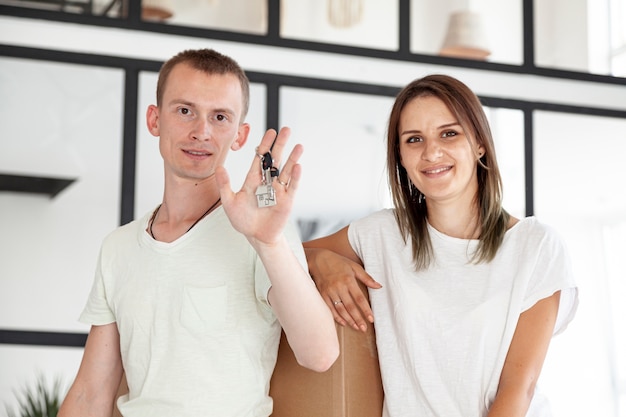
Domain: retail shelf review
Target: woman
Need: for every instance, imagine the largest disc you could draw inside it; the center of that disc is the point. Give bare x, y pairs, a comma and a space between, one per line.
467, 297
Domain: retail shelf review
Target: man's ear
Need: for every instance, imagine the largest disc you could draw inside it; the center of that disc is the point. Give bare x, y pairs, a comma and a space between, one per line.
152, 120
242, 137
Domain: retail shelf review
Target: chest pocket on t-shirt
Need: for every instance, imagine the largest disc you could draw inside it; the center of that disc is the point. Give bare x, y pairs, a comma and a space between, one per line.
204, 308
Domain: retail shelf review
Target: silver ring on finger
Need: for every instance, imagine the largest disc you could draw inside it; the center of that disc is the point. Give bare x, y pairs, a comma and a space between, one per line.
284, 184
337, 302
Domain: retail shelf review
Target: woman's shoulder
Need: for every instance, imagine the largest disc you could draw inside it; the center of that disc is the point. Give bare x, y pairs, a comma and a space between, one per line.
378, 218
534, 231
531, 223
381, 221
376, 230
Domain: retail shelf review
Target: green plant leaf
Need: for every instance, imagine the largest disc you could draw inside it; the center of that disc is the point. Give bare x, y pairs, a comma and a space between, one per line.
40, 400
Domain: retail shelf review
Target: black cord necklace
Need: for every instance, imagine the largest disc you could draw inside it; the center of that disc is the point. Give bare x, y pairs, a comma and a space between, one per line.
194, 223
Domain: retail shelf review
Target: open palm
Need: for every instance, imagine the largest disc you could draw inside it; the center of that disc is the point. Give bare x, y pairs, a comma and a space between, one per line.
263, 224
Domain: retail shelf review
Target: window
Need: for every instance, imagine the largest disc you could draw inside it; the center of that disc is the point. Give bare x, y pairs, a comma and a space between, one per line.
579, 176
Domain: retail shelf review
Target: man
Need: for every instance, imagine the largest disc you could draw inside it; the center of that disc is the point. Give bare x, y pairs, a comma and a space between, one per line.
188, 301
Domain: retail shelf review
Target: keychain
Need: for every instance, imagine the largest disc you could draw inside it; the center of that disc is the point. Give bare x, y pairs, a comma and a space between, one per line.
266, 196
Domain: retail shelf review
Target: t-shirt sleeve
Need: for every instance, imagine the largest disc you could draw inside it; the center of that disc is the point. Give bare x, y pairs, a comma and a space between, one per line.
552, 273
97, 311
371, 228
353, 236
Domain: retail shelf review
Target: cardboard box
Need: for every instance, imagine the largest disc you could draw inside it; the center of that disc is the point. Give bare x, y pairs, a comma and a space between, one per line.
350, 388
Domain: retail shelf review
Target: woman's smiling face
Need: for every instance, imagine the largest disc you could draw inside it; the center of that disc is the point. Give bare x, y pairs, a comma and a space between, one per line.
439, 158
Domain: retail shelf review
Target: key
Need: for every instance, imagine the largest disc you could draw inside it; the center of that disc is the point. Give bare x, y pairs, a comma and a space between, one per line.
267, 162
266, 196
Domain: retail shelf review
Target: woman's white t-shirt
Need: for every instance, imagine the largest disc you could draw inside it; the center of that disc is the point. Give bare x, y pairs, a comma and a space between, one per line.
443, 334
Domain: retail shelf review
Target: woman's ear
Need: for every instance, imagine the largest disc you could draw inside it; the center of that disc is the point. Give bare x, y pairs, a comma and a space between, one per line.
152, 120
242, 137
480, 151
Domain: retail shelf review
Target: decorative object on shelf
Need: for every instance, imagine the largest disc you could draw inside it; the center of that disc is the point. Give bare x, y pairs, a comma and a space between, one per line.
345, 13
157, 10
465, 37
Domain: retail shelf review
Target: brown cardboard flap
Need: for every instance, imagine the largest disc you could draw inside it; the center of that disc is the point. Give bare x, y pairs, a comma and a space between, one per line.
350, 388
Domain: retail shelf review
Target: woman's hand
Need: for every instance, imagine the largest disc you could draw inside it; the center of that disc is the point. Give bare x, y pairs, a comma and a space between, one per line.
341, 282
